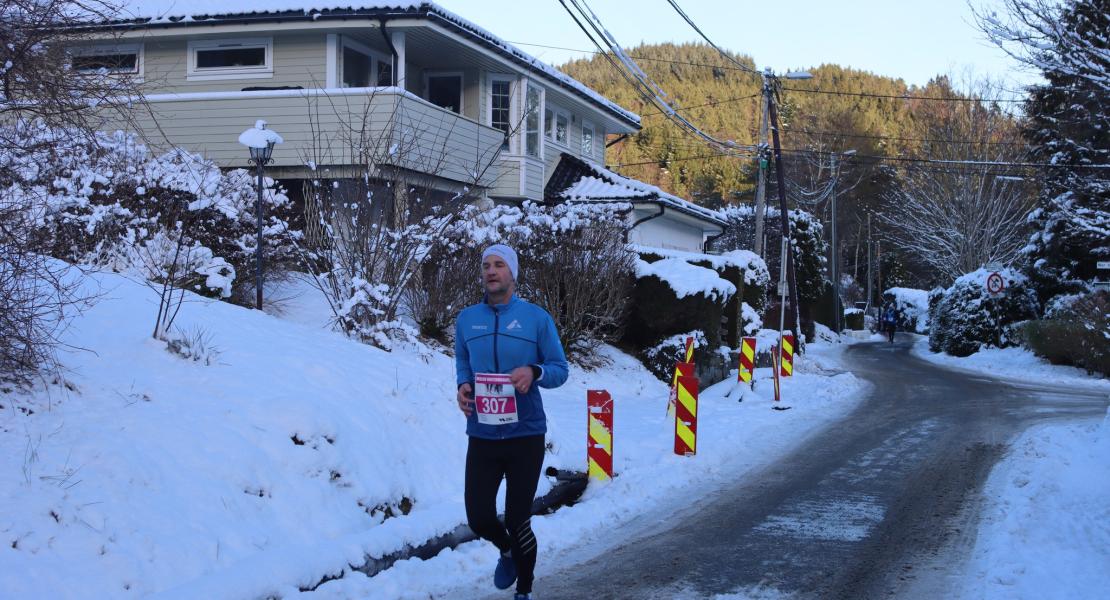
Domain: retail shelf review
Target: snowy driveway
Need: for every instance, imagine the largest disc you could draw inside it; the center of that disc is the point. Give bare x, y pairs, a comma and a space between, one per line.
883, 503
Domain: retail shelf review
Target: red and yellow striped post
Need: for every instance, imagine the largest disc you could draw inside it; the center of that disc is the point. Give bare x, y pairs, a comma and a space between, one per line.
746, 370
689, 356
786, 361
599, 435
680, 369
686, 417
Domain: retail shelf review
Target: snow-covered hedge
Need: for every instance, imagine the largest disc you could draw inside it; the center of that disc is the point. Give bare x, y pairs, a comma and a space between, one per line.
573, 262
660, 358
1075, 331
106, 201
967, 317
912, 307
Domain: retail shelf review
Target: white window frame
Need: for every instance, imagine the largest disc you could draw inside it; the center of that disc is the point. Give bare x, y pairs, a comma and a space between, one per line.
514, 105
374, 55
556, 111
462, 86
106, 49
593, 139
540, 106
265, 71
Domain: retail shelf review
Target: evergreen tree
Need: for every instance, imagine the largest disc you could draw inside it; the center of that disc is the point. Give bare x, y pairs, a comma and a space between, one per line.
1069, 124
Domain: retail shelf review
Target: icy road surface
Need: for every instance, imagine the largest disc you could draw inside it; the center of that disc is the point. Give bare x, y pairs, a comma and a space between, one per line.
881, 504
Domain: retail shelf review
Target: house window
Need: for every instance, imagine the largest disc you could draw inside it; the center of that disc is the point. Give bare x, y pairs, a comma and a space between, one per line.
385, 73
244, 58
500, 109
532, 122
356, 68
445, 90
557, 128
587, 139
125, 59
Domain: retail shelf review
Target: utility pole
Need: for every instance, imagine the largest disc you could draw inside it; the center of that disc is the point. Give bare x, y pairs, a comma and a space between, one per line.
834, 263
870, 295
761, 186
784, 218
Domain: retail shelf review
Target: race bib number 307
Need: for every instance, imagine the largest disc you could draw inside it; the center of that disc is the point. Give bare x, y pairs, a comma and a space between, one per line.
494, 399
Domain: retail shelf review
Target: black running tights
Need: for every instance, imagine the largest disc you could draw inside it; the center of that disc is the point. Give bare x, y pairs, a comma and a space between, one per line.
518, 461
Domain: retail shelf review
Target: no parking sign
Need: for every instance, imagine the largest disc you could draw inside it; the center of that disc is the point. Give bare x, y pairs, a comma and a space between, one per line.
995, 284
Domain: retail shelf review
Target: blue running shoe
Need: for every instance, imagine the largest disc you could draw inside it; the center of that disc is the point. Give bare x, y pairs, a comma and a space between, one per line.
522, 597
505, 573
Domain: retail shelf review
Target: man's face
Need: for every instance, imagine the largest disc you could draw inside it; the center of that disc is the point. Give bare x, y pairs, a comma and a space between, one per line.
496, 275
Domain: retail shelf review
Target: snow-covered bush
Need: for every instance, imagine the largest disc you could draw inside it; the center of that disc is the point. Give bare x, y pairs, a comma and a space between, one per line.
968, 317
1075, 331
573, 262
105, 201
661, 357
912, 308
672, 296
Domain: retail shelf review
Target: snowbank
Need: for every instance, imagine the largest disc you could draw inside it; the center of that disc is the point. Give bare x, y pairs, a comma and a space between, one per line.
1045, 530
1013, 363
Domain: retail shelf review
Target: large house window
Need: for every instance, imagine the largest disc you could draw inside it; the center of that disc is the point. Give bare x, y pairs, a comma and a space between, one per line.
588, 139
356, 68
361, 67
532, 124
557, 128
500, 109
243, 58
385, 73
445, 90
123, 59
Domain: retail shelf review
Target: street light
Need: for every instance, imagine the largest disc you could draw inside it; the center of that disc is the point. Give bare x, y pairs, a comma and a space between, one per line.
261, 142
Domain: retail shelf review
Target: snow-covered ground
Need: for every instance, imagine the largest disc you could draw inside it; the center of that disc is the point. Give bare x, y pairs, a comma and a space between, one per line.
1016, 364
1045, 529
297, 453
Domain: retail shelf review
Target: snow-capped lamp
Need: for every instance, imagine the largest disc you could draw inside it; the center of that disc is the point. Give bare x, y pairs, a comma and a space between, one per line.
260, 141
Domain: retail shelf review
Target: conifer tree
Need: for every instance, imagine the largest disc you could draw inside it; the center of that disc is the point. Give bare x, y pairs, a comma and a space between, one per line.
1069, 124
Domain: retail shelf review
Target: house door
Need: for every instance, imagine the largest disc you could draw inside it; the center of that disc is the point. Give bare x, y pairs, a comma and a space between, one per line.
446, 91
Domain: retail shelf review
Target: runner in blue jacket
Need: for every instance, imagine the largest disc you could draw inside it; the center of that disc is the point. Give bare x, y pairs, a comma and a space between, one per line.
505, 350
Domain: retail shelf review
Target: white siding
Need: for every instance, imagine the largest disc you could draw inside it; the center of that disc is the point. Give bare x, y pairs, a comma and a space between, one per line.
664, 232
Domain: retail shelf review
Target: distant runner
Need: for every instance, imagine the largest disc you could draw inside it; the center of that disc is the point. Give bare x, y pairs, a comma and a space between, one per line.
890, 322
502, 347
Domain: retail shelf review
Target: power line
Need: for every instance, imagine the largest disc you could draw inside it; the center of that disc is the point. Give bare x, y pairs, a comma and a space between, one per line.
729, 57
637, 57
906, 96
903, 139
881, 158
648, 89
714, 103
745, 69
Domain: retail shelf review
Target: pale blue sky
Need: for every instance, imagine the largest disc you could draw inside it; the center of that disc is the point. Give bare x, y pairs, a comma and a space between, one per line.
911, 39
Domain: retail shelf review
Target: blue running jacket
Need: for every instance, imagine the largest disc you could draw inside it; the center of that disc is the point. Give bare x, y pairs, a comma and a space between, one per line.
500, 338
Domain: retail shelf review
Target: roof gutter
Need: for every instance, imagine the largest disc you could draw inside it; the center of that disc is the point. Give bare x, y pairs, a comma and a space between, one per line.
662, 209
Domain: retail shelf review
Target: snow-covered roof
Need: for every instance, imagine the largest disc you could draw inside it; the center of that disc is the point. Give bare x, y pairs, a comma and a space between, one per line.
596, 183
182, 12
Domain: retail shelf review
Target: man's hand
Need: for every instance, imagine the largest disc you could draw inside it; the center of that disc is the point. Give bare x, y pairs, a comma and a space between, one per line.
465, 398
521, 378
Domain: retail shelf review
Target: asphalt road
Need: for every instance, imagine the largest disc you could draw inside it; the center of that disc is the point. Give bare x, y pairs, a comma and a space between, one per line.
882, 504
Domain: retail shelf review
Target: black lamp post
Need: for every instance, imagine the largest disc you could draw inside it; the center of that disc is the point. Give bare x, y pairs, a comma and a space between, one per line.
261, 142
